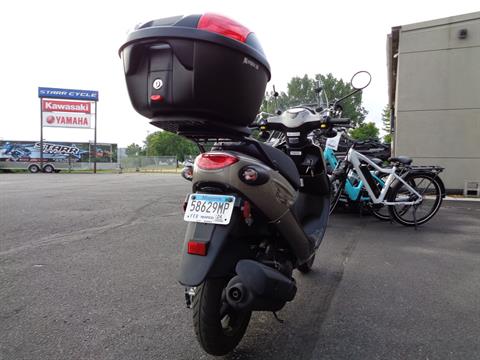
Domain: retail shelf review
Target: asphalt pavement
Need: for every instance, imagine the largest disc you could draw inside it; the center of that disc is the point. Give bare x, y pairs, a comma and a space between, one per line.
88, 269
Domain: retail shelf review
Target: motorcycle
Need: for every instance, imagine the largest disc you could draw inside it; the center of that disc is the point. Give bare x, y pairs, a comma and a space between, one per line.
256, 212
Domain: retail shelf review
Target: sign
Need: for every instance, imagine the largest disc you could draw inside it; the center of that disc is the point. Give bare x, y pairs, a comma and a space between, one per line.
332, 143
66, 114
56, 93
66, 120
66, 106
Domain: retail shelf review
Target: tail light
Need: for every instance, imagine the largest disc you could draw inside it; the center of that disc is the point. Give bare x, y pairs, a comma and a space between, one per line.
214, 161
224, 26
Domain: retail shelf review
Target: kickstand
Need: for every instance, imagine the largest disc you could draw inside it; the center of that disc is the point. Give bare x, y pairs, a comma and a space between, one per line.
277, 318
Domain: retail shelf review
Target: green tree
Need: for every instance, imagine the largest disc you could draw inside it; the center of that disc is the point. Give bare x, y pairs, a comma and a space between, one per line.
301, 90
134, 150
386, 125
366, 131
164, 143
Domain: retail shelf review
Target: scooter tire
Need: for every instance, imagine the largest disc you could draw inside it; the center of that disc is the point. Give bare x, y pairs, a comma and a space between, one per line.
214, 336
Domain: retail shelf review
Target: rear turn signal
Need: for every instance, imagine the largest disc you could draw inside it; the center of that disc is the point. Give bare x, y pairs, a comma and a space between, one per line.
214, 161
197, 248
224, 26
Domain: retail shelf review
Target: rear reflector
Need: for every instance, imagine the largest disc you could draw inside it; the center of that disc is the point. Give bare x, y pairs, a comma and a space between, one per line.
246, 210
224, 26
197, 248
214, 161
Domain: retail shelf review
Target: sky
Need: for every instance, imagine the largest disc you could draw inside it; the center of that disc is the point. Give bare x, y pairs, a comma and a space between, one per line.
73, 44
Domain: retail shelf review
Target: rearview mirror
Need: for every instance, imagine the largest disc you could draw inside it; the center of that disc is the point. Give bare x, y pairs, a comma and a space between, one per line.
361, 80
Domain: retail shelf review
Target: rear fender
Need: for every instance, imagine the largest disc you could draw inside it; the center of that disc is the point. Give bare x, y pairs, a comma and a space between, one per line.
414, 171
222, 251
433, 175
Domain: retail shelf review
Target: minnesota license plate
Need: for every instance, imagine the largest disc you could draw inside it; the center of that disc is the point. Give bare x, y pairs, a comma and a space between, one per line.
210, 209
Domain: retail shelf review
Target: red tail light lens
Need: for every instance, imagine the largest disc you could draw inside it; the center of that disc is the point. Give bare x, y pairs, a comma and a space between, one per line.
224, 26
197, 248
214, 161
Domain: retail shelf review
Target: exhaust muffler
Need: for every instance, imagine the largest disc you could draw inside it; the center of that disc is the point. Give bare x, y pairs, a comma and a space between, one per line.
259, 287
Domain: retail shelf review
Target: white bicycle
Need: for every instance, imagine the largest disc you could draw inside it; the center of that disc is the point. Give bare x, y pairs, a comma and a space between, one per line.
412, 194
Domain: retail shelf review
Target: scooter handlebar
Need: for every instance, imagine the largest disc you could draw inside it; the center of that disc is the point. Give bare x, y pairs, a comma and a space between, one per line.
339, 121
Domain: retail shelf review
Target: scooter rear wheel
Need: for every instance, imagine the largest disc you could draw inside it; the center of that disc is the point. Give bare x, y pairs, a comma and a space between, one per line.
218, 333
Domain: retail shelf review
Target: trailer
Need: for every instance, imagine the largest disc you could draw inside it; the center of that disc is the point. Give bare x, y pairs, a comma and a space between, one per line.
57, 156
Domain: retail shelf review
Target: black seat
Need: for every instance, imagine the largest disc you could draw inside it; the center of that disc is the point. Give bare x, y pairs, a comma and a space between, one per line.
405, 160
282, 161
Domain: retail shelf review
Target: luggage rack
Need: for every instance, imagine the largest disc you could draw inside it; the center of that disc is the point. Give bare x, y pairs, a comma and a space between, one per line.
205, 137
210, 137
434, 168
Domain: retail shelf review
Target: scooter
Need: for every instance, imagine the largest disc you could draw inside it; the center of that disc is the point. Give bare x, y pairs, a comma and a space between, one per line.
256, 212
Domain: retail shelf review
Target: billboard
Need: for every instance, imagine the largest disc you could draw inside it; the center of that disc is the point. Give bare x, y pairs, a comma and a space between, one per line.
54, 151
66, 113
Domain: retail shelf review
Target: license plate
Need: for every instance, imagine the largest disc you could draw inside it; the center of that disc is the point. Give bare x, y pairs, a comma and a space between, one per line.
210, 209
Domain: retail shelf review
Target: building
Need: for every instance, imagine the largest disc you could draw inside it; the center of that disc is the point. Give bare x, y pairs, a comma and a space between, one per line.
434, 95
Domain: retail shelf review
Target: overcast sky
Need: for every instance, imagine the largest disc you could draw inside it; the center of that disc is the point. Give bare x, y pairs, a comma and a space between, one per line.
74, 45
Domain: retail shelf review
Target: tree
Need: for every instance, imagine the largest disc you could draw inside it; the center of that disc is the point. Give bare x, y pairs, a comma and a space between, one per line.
301, 90
366, 131
164, 143
134, 150
386, 124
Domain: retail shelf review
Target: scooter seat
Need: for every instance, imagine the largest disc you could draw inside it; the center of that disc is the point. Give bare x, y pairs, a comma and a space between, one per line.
405, 160
285, 165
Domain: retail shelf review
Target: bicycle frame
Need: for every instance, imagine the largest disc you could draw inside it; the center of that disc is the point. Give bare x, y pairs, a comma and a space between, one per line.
353, 191
355, 159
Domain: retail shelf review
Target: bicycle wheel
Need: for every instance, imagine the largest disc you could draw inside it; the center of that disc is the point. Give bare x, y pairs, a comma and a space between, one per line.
380, 211
428, 187
336, 190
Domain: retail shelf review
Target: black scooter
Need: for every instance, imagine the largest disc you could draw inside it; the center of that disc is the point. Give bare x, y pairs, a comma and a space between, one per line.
256, 212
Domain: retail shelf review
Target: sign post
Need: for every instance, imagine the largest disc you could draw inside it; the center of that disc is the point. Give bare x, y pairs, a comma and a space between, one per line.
67, 108
41, 136
95, 141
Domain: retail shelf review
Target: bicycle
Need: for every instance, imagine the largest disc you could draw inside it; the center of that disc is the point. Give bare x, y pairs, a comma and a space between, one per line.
353, 188
412, 194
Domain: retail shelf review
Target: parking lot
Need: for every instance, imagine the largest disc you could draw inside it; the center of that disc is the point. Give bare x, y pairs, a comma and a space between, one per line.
88, 271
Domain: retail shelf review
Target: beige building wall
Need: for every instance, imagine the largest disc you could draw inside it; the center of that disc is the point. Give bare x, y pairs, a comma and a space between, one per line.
437, 96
